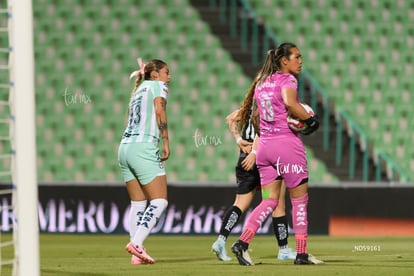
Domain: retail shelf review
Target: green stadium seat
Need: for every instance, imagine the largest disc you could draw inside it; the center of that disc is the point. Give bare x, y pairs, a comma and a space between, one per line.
92, 48
378, 49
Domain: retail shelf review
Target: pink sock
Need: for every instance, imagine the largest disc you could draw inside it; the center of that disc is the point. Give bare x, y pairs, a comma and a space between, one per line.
300, 222
301, 242
256, 218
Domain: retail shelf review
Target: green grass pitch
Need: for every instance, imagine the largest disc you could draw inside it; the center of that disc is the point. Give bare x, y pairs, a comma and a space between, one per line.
62, 254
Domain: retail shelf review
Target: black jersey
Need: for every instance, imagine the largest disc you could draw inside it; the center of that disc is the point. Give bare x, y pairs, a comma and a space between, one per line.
248, 131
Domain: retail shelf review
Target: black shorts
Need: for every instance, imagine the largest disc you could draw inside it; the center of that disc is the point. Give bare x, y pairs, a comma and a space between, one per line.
247, 181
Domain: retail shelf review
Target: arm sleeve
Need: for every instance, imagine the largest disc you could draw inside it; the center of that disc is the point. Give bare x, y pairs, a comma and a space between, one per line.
160, 90
290, 82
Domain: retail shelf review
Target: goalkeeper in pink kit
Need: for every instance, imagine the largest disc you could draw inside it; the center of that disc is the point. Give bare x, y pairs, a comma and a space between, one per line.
281, 153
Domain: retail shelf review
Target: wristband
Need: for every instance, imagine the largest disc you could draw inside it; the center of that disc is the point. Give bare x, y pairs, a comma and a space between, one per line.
253, 151
238, 140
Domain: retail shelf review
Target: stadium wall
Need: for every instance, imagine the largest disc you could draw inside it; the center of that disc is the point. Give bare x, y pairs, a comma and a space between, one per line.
365, 209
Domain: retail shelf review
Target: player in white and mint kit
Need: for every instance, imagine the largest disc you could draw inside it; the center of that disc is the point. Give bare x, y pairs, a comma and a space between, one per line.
139, 153
140, 157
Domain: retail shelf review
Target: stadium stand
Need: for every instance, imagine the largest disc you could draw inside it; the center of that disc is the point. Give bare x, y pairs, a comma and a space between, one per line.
84, 52
360, 53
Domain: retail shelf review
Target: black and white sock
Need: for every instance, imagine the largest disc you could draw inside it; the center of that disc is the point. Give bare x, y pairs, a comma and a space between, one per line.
230, 220
281, 230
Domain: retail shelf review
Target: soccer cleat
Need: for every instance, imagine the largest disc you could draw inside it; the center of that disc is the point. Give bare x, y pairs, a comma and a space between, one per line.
242, 255
313, 260
286, 254
219, 248
302, 259
139, 251
136, 261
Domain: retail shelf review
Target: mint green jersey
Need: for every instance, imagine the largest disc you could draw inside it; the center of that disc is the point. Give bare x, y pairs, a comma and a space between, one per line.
142, 125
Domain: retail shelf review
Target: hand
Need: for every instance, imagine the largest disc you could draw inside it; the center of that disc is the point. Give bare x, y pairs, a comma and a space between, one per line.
245, 146
165, 154
249, 161
312, 123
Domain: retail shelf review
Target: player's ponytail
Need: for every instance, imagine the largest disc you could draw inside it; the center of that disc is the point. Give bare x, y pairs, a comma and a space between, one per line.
273, 59
270, 66
144, 71
138, 75
246, 106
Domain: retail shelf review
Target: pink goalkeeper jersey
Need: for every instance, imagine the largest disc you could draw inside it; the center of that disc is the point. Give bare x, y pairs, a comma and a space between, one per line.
273, 112
280, 153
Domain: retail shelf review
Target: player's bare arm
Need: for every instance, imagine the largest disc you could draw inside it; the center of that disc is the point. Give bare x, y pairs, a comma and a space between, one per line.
294, 107
161, 117
232, 120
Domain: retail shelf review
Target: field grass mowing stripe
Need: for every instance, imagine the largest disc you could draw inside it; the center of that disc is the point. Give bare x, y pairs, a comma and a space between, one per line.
62, 254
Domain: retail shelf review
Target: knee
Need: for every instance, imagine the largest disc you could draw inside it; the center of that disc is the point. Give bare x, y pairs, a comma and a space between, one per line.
271, 203
300, 200
160, 202
158, 205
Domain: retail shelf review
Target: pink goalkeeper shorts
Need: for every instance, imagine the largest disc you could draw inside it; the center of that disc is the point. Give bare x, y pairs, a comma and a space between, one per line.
282, 158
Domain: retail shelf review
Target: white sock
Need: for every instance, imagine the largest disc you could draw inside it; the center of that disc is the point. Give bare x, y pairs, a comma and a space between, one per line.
135, 214
151, 215
222, 238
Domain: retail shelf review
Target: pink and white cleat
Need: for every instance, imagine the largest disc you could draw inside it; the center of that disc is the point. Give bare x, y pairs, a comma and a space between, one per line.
136, 261
139, 252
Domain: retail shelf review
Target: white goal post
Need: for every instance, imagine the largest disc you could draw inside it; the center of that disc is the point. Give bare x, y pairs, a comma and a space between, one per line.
24, 176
